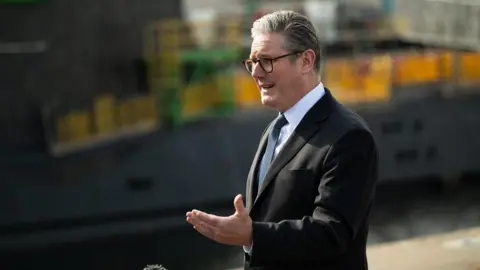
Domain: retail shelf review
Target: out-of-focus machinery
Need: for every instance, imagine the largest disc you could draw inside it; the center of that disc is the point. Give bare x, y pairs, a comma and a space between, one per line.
190, 67
453, 24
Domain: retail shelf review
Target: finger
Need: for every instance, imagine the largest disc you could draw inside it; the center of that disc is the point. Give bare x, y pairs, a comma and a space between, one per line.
206, 230
193, 221
239, 207
197, 215
212, 220
189, 214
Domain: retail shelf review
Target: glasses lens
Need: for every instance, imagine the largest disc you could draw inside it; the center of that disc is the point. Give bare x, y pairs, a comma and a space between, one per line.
249, 65
266, 65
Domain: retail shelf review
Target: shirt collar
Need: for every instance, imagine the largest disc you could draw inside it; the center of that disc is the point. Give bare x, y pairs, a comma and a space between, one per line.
296, 113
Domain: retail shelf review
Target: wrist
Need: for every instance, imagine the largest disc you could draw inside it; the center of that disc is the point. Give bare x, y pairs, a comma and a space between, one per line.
249, 239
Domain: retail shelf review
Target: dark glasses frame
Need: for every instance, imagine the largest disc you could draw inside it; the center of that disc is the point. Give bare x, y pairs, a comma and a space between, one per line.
247, 62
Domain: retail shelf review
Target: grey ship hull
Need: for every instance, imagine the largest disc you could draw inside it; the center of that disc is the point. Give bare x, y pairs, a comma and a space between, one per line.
148, 183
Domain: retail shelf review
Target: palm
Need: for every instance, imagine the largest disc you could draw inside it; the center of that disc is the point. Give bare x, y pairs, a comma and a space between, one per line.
234, 229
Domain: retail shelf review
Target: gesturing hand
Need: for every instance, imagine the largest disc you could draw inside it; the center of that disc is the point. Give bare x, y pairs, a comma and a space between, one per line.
235, 229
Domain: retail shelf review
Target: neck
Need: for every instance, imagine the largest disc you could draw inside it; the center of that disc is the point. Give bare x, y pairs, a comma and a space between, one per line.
307, 84
310, 81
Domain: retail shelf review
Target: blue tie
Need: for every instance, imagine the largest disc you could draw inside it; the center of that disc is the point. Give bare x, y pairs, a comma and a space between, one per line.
279, 122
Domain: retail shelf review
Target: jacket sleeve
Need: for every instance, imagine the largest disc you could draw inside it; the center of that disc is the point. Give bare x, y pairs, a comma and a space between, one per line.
345, 194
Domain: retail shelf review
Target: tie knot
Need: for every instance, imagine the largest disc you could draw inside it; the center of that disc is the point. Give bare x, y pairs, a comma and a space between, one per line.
280, 121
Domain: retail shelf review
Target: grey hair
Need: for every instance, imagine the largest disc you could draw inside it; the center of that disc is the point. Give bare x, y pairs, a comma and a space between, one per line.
297, 30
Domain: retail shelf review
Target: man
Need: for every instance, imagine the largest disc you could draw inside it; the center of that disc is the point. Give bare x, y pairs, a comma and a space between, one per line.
311, 185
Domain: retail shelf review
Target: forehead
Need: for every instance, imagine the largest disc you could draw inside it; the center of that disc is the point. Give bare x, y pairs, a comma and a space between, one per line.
267, 45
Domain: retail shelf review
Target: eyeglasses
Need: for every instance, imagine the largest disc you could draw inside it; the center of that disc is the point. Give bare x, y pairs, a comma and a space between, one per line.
265, 63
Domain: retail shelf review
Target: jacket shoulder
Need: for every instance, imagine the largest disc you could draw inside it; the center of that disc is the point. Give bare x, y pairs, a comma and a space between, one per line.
343, 121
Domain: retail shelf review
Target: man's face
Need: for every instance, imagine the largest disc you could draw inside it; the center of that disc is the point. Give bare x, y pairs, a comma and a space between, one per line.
277, 88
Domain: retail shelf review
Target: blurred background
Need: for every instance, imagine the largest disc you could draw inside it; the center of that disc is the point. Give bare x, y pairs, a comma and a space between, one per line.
118, 116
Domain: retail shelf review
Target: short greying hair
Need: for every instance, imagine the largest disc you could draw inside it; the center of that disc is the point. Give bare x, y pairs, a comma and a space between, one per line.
298, 31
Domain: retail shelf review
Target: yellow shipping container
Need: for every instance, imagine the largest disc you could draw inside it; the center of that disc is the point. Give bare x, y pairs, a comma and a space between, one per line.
126, 113
145, 109
470, 68
377, 82
345, 79
197, 98
363, 79
75, 126
104, 113
169, 34
63, 134
446, 66
412, 69
340, 75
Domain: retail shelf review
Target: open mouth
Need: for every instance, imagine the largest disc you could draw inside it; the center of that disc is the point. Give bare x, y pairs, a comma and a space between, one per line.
267, 86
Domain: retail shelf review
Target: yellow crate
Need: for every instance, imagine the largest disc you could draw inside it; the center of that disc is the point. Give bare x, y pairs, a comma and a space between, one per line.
63, 133
126, 113
341, 76
75, 126
161, 36
145, 109
470, 68
169, 59
197, 98
104, 113
446, 65
231, 34
377, 82
363, 79
170, 33
415, 69
246, 91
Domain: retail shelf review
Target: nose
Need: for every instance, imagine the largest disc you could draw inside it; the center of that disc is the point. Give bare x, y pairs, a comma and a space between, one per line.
257, 71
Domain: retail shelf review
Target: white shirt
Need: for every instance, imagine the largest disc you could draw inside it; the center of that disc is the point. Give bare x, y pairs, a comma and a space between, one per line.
294, 116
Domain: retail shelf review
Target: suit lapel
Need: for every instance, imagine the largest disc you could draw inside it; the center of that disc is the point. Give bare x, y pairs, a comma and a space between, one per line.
309, 125
252, 175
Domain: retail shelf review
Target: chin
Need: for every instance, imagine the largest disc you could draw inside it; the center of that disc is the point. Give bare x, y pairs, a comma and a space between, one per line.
268, 101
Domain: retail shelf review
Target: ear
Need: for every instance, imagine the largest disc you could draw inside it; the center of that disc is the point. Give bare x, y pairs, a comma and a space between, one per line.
308, 61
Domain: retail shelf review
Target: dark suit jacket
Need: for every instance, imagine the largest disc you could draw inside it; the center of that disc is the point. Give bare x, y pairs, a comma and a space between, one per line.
313, 207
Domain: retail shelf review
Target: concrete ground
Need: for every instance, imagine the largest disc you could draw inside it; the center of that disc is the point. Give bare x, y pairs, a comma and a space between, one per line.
458, 250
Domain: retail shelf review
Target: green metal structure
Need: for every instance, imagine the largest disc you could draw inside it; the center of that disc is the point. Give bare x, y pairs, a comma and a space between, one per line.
189, 81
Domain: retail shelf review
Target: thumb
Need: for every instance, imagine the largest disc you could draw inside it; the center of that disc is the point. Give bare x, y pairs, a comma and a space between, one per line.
238, 203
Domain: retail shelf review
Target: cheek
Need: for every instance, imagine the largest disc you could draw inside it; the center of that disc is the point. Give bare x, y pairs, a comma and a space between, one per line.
281, 75
285, 78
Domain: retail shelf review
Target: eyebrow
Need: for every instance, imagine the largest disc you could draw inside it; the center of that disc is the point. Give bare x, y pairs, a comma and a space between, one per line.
262, 55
